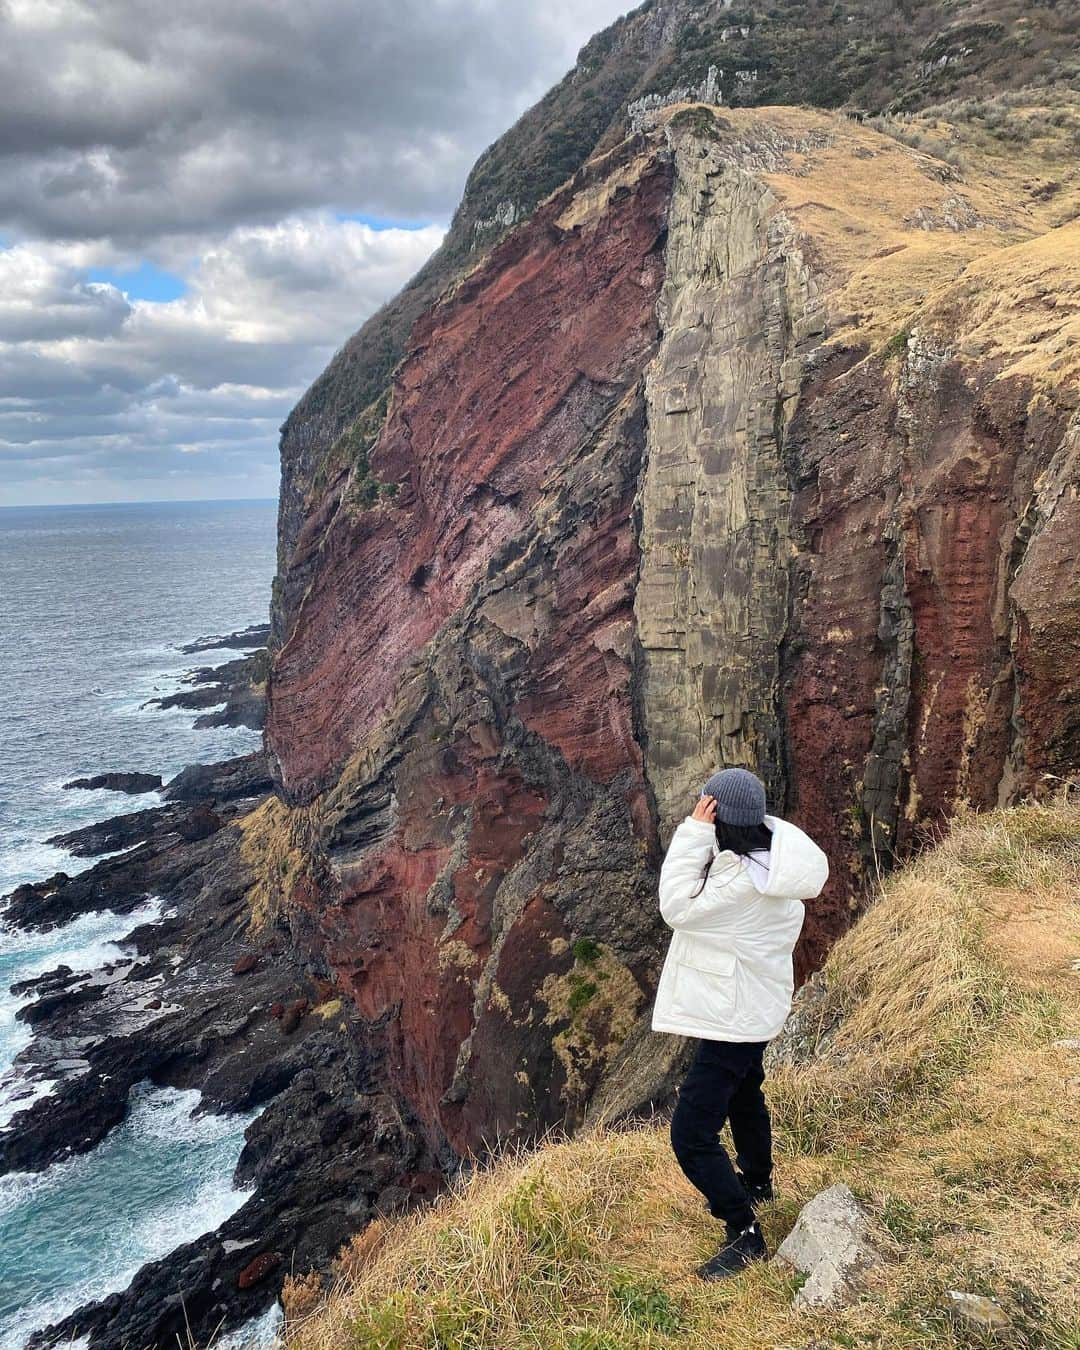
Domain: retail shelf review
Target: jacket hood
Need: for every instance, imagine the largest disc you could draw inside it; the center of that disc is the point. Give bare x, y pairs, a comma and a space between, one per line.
797, 867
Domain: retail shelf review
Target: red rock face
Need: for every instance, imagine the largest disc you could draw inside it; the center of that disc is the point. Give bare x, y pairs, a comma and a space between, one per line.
502, 383
910, 663
498, 586
458, 712
843, 505
388, 944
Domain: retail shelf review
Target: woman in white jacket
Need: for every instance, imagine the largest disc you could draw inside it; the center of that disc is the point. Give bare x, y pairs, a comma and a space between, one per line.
732, 887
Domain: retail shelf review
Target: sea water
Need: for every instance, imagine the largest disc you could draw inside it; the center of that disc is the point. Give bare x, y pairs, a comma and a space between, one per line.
94, 603
83, 1227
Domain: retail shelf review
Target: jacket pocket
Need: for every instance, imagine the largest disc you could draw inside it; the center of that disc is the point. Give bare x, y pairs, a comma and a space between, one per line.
704, 985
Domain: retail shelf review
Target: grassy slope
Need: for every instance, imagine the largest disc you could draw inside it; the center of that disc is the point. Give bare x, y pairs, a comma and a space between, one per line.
934, 1090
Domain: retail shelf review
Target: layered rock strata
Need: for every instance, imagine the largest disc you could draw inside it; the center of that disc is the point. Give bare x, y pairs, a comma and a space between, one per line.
714, 460
755, 443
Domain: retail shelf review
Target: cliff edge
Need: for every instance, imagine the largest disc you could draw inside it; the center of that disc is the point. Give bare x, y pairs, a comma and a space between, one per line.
756, 443
931, 1067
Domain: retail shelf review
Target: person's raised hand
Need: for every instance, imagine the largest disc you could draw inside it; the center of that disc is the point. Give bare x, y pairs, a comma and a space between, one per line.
705, 809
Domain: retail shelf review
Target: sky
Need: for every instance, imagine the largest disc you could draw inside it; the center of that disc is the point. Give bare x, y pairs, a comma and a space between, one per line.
199, 202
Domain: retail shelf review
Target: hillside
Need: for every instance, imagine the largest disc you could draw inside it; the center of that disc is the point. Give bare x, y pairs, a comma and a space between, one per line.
756, 444
869, 56
923, 1069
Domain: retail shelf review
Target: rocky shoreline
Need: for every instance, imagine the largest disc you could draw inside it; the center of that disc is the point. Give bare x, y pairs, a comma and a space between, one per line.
229, 695
205, 1001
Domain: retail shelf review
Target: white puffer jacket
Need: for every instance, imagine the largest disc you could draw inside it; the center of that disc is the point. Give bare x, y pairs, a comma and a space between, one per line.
728, 974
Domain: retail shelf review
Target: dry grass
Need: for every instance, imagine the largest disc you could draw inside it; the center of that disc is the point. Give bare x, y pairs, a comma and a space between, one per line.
935, 1092
938, 223
277, 843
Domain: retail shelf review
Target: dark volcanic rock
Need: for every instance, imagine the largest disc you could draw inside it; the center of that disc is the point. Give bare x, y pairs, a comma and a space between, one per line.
122, 832
246, 776
199, 823
204, 695
134, 783
238, 685
170, 1011
310, 1197
118, 832
255, 636
293, 1016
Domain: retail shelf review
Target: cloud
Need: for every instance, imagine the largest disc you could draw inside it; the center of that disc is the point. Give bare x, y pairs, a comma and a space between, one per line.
138, 118
187, 199
95, 384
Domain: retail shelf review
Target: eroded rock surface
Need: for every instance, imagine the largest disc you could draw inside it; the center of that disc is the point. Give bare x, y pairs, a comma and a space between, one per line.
832, 1245
721, 457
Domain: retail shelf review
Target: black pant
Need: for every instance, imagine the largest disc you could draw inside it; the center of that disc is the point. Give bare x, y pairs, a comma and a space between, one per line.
724, 1083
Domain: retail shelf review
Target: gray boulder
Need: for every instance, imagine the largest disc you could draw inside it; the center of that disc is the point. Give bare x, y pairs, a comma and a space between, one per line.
977, 1313
832, 1245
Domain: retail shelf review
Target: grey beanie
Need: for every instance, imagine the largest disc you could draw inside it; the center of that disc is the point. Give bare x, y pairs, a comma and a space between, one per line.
740, 796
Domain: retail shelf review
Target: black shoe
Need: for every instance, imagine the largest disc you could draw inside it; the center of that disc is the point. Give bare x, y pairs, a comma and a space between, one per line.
758, 1194
735, 1255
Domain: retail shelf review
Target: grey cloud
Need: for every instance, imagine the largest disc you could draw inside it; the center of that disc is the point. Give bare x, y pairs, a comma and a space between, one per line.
80, 310
140, 117
209, 377
220, 139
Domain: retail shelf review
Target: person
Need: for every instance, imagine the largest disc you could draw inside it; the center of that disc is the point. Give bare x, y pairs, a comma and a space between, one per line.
731, 887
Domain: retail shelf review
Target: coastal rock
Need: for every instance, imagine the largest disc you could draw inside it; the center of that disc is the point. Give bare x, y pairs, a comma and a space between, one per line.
238, 686
246, 776
252, 637
133, 783
496, 809
198, 823
329, 1139
658, 486
831, 1245
656, 51
117, 832
293, 1015
124, 832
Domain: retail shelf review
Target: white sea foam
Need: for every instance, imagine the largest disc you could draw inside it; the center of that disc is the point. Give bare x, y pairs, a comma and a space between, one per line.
95, 803
25, 857
26, 860
85, 944
159, 1180
258, 1333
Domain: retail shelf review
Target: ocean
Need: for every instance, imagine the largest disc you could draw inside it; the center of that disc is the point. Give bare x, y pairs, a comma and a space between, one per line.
95, 602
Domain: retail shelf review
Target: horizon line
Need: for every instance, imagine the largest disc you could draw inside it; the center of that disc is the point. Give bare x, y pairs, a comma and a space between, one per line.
141, 501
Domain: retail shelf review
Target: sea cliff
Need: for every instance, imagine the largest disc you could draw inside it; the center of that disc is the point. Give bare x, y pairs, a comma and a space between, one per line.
717, 433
